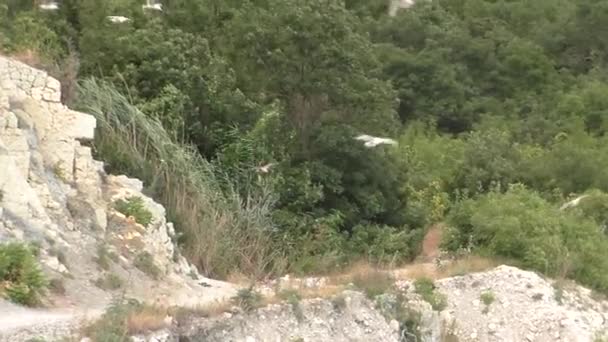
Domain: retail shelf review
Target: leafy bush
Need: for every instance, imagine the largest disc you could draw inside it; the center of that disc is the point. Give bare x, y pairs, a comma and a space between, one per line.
522, 226
21, 279
489, 160
383, 244
426, 289
595, 207
134, 206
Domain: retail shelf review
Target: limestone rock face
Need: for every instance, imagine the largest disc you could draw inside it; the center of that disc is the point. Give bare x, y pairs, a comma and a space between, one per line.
525, 307
55, 194
48, 179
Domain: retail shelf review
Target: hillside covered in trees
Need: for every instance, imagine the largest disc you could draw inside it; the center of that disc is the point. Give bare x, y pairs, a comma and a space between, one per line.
499, 108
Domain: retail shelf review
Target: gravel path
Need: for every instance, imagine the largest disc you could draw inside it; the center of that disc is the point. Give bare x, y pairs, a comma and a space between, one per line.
19, 323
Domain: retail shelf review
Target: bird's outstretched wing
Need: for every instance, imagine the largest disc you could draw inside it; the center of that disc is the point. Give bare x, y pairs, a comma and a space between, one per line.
389, 141
572, 203
364, 137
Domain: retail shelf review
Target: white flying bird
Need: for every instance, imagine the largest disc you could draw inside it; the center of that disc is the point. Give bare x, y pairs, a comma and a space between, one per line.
375, 141
573, 203
49, 6
153, 5
264, 168
118, 19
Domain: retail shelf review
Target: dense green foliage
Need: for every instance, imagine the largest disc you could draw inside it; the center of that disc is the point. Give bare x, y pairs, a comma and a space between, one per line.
480, 95
21, 279
521, 225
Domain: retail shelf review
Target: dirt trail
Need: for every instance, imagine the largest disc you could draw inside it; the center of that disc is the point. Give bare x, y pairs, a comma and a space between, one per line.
18, 323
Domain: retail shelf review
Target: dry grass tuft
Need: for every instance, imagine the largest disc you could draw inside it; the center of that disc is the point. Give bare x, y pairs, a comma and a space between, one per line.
416, 271
322, 292
238, 278
29, 57
469, 264
216, 308
147, 319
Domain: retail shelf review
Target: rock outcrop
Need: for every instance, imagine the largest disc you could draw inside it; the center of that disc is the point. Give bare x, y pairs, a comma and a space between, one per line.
353, 319
509, 304
503, 304
55, 194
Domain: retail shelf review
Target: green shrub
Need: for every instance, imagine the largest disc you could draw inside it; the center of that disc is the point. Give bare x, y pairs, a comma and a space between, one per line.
134, 206
489, 160
426, 289
247, 299
595, 207
522, 226
487, 298
144, 261
382, 244
113, 325
21, 279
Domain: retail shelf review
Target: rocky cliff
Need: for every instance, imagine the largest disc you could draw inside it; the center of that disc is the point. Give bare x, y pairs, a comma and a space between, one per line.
55, 195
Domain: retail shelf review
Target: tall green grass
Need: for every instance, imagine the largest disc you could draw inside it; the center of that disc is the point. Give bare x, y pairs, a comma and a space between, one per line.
222, 232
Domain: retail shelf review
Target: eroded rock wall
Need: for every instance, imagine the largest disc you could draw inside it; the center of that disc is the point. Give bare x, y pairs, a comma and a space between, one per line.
54, 193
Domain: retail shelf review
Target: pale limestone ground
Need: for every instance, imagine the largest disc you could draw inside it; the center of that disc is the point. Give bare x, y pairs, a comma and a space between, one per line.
526, 307
355, 320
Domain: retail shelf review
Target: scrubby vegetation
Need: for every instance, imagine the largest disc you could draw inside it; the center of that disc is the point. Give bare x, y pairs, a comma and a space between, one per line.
144, 261
126, 317
134, 207
426, 289
519, 224
104, 257
247, 299
241, 118
21, 279
110, 282
373, 283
